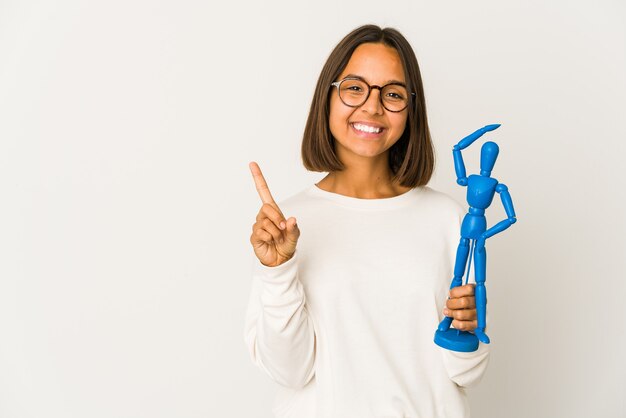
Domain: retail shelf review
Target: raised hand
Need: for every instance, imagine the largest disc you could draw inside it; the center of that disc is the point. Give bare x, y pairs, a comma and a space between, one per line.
273, 238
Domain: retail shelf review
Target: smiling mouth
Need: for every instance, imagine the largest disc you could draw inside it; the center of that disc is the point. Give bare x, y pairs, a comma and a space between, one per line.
366, 128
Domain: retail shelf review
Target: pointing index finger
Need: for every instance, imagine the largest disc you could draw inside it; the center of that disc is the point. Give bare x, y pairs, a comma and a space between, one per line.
261, 184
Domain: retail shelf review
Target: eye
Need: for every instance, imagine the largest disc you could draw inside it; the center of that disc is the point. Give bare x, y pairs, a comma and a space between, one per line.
395, 93
352, 87
395, 96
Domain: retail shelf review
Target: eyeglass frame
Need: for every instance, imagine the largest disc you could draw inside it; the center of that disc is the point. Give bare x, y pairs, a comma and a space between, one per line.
369, 91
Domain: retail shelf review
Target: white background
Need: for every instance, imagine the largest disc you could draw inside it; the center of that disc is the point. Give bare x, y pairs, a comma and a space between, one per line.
126, 129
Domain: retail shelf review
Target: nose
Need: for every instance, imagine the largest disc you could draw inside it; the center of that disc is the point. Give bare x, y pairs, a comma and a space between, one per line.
373, 104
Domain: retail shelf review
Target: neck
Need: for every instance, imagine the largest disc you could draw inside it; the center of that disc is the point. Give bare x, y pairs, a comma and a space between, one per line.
363, 182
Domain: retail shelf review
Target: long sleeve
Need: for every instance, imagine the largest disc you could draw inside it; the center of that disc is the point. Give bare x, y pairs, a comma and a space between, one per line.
278, 331
466, 369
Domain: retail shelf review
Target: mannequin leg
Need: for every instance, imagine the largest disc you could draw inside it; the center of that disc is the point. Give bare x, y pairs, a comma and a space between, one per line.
459, 269
480, 293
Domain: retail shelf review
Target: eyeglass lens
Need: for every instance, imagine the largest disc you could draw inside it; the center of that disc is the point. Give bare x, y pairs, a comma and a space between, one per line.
355, 92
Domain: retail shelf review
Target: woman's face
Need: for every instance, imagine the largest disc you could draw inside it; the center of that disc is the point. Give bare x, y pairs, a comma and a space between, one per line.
368, 130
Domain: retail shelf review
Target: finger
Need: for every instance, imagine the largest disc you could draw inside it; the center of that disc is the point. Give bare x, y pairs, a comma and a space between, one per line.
260, 237
269, 226
467, 302
465, 325
261, 184
460, 291
461, 314
271, 212
293, 232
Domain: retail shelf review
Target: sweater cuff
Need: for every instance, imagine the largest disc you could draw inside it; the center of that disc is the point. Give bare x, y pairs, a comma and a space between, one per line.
467, 369
279, 276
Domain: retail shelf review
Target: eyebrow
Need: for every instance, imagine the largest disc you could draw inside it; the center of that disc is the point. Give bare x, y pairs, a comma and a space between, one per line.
387, 82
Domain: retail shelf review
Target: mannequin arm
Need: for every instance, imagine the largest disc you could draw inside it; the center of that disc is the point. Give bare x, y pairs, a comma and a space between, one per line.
469, 140
505, 196
459, 165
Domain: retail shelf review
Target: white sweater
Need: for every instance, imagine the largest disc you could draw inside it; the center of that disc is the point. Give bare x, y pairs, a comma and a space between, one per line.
346, 326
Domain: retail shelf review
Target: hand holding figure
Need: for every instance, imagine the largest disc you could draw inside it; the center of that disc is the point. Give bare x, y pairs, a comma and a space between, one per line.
274, 237
461, 307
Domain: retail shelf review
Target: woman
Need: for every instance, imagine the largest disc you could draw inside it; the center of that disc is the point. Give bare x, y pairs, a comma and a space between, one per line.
345, 322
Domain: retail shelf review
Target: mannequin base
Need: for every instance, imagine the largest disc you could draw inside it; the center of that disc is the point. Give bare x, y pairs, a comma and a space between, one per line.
455, 340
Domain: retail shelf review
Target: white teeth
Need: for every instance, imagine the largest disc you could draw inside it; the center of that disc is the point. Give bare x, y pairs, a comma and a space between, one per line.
365, 128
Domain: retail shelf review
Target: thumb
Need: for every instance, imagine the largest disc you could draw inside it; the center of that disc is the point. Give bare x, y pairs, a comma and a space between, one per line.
293, 232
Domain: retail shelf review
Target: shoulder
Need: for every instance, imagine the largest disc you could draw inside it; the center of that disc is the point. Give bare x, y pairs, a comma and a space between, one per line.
440, 206
296, 200
441, 201
444, 213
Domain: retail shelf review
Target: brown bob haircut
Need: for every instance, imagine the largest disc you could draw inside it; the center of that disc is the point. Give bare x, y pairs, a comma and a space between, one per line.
411, 158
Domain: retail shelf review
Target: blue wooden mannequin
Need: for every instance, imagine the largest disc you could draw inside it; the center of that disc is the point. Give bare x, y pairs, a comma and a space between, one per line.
480, 192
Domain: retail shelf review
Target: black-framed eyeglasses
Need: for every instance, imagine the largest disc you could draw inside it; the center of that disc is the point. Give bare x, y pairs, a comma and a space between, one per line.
354, 91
